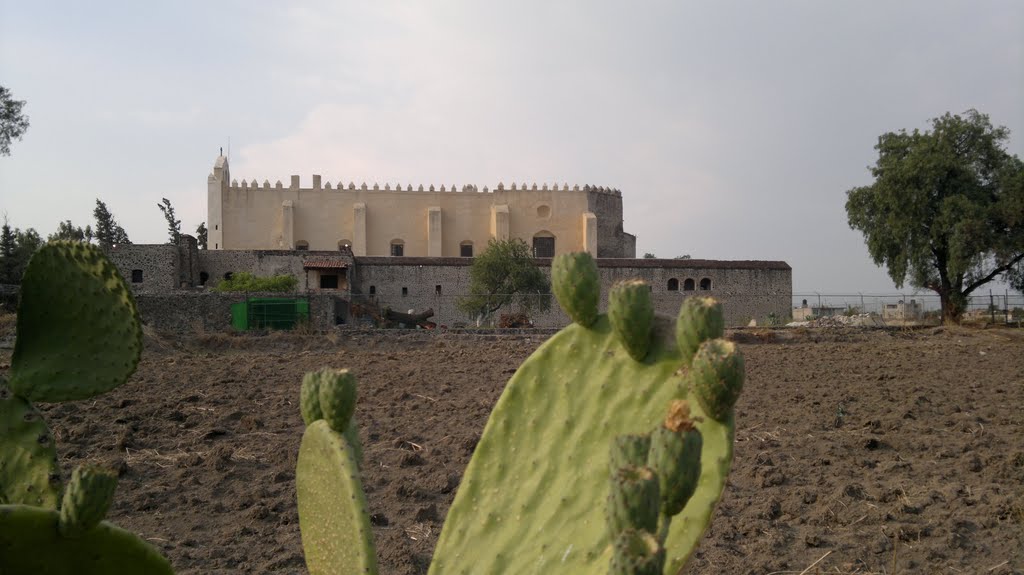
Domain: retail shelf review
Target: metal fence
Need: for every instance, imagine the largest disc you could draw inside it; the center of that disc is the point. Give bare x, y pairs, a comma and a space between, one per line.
993, 307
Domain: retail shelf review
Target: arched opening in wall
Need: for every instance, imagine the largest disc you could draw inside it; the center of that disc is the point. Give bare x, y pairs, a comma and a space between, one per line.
405, 291
373, 290
302, 245
673, 284
203, 278
466, 249
705, 284
344, 245
544, 211
136, 276
228, 275
397, 248
543, 244
688, 284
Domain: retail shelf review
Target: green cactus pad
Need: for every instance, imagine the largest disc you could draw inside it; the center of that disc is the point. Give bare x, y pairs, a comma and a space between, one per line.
629, 450
717, 374
352, 437
333, 516
86, 500
632, 314
532, 498
675, 457
634, 500
637, 553
700, 319
337, 396
309, 398
28, 457
78, 331
30, 542
576, 285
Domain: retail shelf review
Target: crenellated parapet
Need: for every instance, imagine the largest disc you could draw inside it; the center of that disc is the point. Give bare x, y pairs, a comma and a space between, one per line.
351, 186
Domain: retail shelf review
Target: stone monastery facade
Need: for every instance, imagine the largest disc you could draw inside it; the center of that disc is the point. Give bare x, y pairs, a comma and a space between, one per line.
392, 221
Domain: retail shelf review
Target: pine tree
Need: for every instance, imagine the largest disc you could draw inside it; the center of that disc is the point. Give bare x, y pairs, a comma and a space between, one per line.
173, 225
69, 231
8, 254
201, 235
108, 232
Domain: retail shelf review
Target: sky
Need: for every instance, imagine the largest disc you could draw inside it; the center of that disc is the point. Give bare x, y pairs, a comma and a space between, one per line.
734, 129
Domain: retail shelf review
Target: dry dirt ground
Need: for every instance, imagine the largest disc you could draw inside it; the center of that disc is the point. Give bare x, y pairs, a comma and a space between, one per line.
873, 451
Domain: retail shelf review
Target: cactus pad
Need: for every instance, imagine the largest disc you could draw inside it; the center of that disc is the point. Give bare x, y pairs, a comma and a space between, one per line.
531, 498
629, 450
634, 501
333, 516
576, 285
717, 375
30, 542
337, 390
86, 500
28, 457
632, 315
78, 331
700, 319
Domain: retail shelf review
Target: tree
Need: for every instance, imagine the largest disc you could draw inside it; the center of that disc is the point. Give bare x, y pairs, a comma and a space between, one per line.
946, 210
505, 274
201, 235
13, 122
108, 232
69, 231
649, 256
173, 225
682, 257
8, 251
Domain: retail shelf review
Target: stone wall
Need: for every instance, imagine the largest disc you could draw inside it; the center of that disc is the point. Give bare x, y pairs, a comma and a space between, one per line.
612, 241
197, 310
747, 289
148, 268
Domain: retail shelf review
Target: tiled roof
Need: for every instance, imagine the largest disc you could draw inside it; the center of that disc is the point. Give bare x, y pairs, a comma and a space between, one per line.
324, 264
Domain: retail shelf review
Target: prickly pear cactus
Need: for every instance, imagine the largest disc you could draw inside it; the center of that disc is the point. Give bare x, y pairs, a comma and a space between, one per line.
78, 335
532, 498
333, 516
31, 542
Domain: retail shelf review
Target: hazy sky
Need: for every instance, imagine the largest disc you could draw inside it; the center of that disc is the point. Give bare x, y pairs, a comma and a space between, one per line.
733, 129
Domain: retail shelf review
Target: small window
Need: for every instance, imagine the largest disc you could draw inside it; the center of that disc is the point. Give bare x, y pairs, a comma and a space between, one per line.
705, 284
344, 245
688, 284
405, 291
329, 281
544, 247
216, 226
228, 275
203, 278
136, 276
302, 245
397, 248
437, 290
673, 284
466, 250
373, 290
216, 246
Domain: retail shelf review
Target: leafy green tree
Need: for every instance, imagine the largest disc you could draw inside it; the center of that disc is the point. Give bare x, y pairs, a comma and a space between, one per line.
201, 235
504, 274
108, 232
682, 257
173, 225
13, 122
946, 209
247, 282
649, 256
69, 231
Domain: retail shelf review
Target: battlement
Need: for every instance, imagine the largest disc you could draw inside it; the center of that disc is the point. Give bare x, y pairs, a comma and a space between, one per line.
376, 187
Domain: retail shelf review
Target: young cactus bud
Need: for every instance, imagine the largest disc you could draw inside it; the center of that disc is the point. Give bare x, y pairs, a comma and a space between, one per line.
337, 397
633, 503
675, 457
309, 398
637, 553
628, 451
575, 284
717, 376
632, 315
86, 500
700, 319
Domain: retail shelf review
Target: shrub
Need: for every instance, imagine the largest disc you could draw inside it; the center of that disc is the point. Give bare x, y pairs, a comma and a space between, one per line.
247, 282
